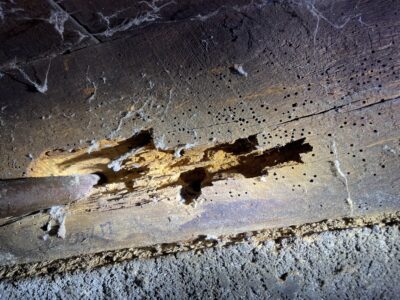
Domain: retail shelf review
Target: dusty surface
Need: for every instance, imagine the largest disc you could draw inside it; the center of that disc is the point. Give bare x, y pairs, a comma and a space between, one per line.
91, 261
360, 263
204, 118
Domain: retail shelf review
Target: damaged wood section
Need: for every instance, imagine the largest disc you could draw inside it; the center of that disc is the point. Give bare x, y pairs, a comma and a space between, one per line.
136, 165
130, 209
213, 121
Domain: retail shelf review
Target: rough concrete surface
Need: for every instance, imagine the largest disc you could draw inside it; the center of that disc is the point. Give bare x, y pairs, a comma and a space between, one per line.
361, 263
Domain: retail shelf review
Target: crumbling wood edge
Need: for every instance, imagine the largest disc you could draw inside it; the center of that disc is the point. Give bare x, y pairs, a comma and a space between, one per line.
92, 261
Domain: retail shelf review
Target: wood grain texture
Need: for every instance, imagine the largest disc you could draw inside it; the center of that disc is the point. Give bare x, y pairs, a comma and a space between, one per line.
325, 73
33, 30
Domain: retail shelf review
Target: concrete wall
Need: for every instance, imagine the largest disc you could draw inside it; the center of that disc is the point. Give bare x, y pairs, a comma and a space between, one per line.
358, 263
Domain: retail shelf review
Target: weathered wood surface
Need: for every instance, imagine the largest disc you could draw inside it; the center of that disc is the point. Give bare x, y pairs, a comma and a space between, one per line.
32, 30
312, 116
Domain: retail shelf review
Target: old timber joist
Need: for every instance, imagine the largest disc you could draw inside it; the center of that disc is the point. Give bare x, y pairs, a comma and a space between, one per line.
206, 123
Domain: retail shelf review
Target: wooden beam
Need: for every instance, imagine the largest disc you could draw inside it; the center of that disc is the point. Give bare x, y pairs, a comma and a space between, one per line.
260, 115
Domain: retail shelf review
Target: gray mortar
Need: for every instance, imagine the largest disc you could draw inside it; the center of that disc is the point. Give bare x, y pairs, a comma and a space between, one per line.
361, 263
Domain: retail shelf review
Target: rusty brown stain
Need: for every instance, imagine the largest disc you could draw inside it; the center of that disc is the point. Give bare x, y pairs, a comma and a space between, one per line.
218, 70
88, 91
66, 64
